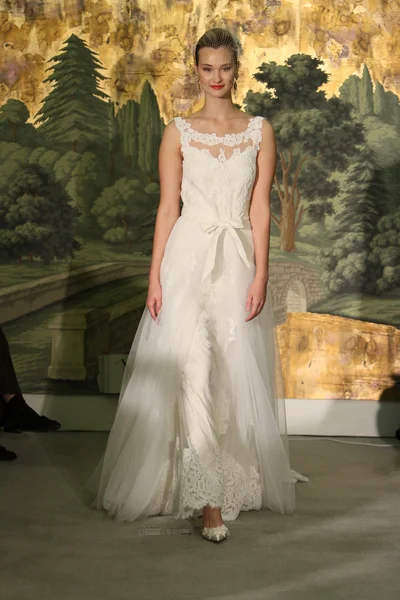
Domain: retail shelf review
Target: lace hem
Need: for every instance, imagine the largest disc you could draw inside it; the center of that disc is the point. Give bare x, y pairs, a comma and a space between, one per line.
218, 481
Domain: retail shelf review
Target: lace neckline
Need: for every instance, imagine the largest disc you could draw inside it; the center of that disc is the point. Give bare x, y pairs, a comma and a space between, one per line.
214, 136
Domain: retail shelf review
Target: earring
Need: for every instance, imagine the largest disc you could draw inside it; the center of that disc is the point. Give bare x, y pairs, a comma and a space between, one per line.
235, 86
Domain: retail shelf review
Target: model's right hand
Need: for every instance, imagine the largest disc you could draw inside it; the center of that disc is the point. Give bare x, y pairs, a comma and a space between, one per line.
154, 299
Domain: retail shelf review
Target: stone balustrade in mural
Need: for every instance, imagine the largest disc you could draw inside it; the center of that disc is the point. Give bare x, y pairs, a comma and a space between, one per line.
76, 343
81, 335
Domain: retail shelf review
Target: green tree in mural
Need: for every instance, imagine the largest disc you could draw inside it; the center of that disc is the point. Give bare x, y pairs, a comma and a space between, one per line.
150, 131
64, 167
385, 255
13, 123
358, 91
113, 137
380, 104
315, 137
12, 158
126, 212
86, 182
392, 183
349, 91
366, 93
346, 257
13, 115
74, 112
128, 119
367, 101
36, 218
44, 158
386, 105
393, 108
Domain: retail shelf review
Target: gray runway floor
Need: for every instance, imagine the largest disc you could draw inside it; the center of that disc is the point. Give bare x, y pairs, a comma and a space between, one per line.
342, 542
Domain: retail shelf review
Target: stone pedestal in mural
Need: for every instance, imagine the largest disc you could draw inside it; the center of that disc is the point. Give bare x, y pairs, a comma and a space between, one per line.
331, 357
79, 336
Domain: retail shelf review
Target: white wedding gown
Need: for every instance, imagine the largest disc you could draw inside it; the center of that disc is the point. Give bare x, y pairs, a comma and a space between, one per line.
201, 417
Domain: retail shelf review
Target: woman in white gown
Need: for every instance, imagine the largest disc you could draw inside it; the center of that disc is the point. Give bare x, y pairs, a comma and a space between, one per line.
200, 424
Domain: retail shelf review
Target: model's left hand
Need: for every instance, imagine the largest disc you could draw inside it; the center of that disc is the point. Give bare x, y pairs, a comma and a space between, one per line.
256, 297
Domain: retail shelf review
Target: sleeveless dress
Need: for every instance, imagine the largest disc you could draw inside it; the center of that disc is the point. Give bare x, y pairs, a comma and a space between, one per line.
200, 419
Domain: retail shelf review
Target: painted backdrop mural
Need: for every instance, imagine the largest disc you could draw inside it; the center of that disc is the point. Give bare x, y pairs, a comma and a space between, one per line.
86, 91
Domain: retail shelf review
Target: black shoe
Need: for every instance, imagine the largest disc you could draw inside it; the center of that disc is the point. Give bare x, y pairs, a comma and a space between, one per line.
7, 454
13, 410
41, 424
19, 416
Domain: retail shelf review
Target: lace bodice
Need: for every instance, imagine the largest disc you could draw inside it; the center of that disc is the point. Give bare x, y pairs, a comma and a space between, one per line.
217, 181
218, 171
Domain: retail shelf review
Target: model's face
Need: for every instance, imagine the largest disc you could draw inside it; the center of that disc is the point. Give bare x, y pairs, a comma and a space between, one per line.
216, 71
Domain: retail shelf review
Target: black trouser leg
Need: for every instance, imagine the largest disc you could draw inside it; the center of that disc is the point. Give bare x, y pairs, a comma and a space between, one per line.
17, 414
8, 377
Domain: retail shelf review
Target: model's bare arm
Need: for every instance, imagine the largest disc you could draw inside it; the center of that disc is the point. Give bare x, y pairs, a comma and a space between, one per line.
260, 218
170, 171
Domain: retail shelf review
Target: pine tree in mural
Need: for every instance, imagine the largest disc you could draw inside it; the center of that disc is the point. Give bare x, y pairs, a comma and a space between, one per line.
368, 101
74, 112
392, 184
149, 132
346, 258
128, 117
393, 109
349, 91
366, 94
379, 99
113, 136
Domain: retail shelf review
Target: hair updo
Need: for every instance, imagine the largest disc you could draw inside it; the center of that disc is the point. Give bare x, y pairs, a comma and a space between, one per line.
219, 38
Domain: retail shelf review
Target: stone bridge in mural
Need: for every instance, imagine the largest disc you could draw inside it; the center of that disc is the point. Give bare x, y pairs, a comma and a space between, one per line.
294, 288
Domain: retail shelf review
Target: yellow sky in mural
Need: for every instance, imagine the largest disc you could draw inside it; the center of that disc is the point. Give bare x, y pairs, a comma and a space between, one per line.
154, 39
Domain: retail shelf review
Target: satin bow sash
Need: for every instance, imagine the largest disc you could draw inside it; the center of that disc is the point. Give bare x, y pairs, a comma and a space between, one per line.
215, 229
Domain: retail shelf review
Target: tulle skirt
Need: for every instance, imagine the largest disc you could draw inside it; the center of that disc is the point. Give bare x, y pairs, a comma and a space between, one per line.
201, 414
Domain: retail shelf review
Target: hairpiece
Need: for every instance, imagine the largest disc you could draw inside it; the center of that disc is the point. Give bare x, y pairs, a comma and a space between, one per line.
218, 37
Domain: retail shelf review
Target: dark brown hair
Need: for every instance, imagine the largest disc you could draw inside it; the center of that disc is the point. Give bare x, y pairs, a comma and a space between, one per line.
218, 38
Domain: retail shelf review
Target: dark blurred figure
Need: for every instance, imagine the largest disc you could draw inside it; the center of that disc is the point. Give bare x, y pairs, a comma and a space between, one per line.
15, 414
396, 386
392, 394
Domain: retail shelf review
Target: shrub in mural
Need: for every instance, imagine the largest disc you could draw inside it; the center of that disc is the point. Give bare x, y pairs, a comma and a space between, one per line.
36, 218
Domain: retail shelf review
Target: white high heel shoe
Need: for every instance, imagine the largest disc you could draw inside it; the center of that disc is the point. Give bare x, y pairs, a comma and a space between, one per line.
215, 534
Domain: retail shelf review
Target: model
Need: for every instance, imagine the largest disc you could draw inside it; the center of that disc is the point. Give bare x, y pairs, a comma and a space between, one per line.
200, 426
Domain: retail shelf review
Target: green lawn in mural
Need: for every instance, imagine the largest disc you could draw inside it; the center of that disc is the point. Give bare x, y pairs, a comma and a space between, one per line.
16, 273
385, 309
